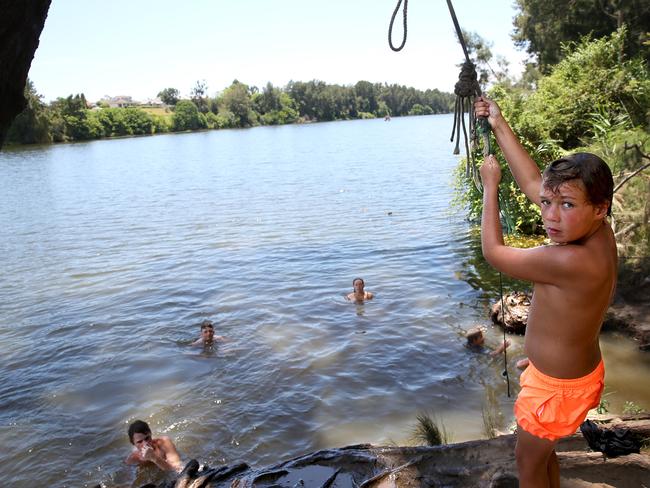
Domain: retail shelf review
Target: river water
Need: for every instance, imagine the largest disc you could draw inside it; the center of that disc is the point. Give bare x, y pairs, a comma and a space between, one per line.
113, 252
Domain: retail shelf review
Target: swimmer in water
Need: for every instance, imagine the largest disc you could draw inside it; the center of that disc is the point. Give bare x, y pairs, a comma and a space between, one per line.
207, 338
359, 294
160, 451
476, 342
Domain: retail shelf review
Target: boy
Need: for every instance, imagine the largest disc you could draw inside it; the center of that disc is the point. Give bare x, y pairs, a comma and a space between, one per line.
160, 451
359, 294
574, 283
476, 342
207, 338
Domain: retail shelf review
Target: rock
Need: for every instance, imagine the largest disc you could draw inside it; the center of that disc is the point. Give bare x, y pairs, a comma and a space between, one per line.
517, 304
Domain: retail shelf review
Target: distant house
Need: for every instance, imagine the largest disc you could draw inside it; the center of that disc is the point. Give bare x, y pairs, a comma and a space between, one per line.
153, 102
121, 101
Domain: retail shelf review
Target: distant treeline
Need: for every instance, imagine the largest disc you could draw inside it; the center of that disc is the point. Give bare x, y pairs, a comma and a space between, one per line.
239, 105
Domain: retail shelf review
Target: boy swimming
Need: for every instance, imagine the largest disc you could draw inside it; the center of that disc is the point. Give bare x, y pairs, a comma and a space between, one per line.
160, 451
574, 282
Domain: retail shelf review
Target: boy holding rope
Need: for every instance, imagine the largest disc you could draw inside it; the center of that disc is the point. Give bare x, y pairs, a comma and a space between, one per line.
574, 280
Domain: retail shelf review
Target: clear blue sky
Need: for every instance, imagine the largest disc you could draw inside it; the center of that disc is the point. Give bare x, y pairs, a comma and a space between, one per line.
139, 47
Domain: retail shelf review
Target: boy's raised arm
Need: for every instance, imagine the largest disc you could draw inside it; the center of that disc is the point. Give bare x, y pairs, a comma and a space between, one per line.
523, 168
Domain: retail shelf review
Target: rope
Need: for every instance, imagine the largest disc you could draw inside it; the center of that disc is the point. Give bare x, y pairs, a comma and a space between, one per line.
467, 88
390, 27
505, 354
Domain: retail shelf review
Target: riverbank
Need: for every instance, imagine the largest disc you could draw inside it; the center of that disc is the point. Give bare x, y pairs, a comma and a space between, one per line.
480, 463
630, 312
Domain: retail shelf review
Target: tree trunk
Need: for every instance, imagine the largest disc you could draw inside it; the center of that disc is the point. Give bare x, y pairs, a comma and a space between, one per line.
21, 23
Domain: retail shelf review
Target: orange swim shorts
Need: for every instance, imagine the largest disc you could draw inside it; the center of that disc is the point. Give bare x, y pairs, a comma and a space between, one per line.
551, 408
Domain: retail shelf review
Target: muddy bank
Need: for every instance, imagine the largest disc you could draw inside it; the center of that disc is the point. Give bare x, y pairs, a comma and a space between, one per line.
482, 463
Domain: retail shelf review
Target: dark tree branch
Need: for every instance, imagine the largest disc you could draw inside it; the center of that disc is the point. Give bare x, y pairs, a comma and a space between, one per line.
636, 172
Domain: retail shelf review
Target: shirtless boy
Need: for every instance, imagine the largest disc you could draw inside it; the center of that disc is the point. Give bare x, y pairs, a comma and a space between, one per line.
574, 282
207, 335
359, 294
160, 451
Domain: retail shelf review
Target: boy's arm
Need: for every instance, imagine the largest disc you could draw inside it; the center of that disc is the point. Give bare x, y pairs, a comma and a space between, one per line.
545, 264
170, 462
501, 348
132, 458
523, 168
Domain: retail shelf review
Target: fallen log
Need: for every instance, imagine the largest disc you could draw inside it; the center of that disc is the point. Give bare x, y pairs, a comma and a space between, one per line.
482, 463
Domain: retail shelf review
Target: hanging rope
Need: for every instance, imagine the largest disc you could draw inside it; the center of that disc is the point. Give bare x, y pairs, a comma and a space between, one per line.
467, 89
390, 27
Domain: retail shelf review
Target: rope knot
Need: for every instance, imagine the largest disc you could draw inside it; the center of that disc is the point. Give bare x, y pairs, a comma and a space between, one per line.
467, 85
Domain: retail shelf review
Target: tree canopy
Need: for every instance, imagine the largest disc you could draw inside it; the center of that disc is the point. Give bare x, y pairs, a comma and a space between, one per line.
542, 26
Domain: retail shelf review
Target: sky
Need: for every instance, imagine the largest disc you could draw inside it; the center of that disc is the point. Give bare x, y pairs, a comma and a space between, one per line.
139, 47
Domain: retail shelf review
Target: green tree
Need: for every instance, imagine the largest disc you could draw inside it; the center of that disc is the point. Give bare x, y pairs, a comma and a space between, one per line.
236, 100
199, 96
589, 97
187, 117
542, 26
169, 96
32, 125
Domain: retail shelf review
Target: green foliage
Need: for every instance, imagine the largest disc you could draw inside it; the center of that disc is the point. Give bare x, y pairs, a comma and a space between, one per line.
418, 109
236, 100
69, 118
187, 117
589, 99
169, 96
429, 431
591, 78
33, 124
631, 408
199, 96
543, 26
274, 106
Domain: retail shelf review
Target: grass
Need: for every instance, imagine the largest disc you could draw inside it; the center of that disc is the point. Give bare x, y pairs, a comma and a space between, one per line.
159, 111
491, 421
429, 431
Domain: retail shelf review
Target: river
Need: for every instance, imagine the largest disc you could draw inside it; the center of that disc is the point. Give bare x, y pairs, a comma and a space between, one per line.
114, 251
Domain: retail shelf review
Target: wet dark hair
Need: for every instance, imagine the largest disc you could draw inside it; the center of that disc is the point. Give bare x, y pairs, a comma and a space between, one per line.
138, 427
473, 334
588, 168
207, 324
360, 279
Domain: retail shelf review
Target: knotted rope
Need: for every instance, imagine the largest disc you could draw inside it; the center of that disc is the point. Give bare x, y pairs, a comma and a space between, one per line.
467, 89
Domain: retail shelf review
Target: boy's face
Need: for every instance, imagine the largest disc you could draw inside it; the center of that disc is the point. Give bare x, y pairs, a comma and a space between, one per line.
141, 440
207, 334
567, 213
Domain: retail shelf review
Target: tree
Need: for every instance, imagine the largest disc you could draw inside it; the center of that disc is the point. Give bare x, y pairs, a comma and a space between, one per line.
236, 100
169, 96
480, 52
199, 95
187, 117
542, 26
32, 125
